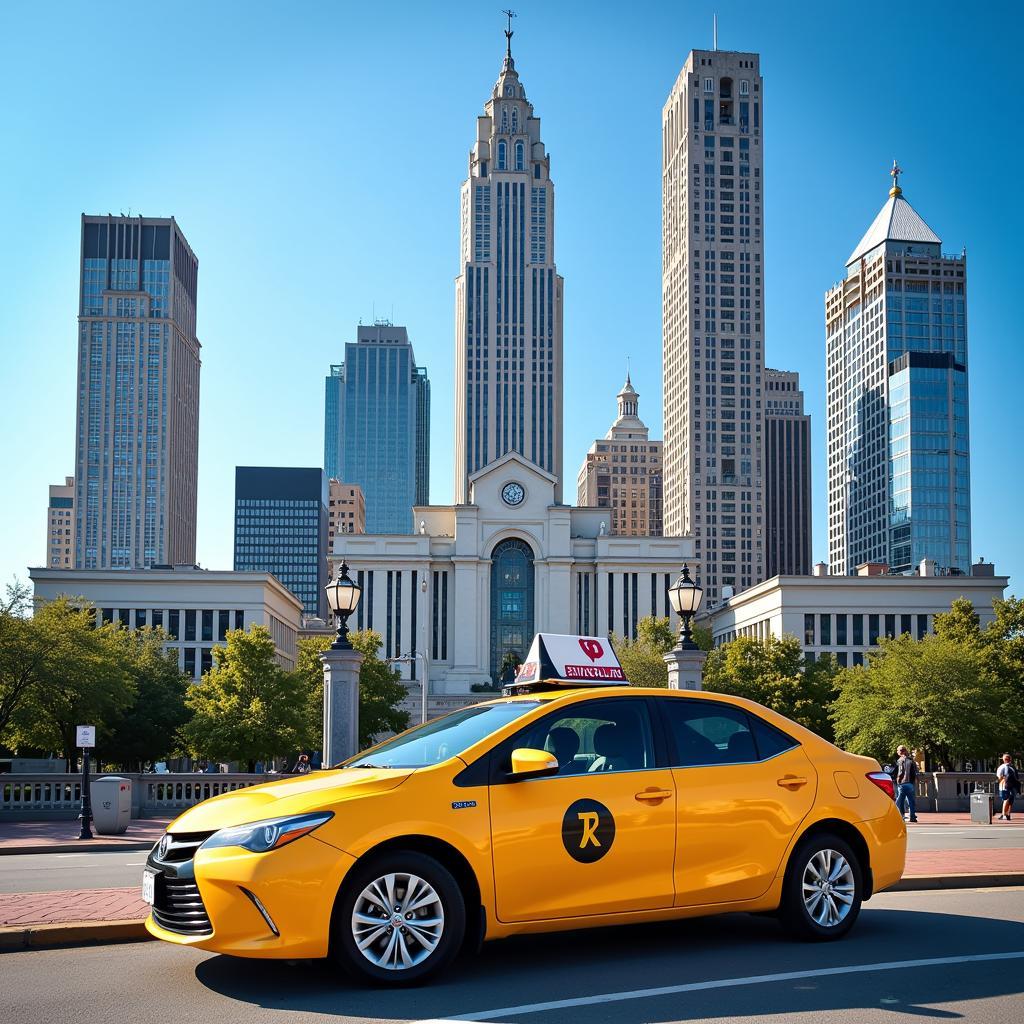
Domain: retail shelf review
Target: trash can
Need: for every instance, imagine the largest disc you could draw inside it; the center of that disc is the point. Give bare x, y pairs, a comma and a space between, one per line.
981, 807
111, 804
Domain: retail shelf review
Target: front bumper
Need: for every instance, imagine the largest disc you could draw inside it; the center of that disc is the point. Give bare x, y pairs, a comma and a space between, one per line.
296, 885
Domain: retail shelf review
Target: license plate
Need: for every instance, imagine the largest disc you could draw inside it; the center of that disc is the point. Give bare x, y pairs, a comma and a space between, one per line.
148, 885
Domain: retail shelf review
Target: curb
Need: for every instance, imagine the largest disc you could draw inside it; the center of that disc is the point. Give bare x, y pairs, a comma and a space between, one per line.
922, 883
80, 933
79, 846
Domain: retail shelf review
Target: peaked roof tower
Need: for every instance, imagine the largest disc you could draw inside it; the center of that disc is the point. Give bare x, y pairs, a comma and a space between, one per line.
897, 221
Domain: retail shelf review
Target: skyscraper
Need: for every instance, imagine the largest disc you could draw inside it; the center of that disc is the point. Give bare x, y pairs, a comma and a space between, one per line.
508, 296
712, 315
377, 425
281, 527
60, 525
622, 472
137, 423
898, 441
787, 476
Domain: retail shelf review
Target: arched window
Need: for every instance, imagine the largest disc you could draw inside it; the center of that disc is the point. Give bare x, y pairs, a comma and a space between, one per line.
504, 118
515, 119
520, 157
502, 157
512, 623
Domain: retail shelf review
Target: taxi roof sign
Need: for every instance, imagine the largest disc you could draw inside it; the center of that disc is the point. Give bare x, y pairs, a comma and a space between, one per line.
556, 659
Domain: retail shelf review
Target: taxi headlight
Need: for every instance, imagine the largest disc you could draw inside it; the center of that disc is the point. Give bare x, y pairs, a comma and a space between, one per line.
271, 834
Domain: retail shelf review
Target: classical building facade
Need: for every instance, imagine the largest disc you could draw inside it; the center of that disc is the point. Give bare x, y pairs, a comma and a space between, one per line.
60, 525
713, 315
194, 607
137, 422
899, 484
377, 425
509, 559
845, 616
622, 472
787, 476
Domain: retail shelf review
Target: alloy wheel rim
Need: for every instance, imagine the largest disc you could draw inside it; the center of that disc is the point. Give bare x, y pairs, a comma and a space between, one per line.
397, 921
829, 888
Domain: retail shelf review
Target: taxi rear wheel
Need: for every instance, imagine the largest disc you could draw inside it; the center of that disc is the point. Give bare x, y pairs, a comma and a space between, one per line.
823, 889
400, 918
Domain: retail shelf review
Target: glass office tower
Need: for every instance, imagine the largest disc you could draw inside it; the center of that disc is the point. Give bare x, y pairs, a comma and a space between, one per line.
281, 527
899, 443
377, 425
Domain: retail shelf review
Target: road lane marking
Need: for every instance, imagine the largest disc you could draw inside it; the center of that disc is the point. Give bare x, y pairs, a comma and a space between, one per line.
700, 986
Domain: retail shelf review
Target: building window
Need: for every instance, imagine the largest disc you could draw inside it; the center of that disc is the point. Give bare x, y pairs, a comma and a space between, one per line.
502, 156
207, 624
520, 157
922, 626
906, 624
858, 631
223, 624
172, 624
512, 625
840, 630
890, 625
190, 627
709, 85
156, 619
190, 662
206, 660
873, 630
140, 618
239, 619
825, 628
809, 630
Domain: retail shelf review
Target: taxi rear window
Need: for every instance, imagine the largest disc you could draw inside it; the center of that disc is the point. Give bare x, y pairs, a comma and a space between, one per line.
443, 738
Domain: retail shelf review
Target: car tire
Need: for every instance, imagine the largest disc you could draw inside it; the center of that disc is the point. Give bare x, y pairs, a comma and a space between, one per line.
421, 929
822, 890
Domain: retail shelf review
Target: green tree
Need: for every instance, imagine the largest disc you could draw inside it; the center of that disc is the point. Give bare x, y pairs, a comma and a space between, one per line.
26, 650
246, 707
643, 659
773, 673
146, 730
937, 695
83, 678
380, 687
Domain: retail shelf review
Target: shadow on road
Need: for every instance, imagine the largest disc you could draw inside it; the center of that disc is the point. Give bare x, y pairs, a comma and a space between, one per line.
539, 968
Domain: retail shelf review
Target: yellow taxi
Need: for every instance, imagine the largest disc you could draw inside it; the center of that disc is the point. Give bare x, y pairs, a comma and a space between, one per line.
558, 806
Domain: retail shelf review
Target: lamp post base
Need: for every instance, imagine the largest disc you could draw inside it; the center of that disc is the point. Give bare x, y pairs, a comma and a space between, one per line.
685, 668
341, 704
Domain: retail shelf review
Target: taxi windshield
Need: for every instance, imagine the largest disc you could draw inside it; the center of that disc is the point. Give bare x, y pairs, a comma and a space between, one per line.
443, 738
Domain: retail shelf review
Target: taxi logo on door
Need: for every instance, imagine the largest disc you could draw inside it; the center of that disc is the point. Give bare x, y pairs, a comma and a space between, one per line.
588, 831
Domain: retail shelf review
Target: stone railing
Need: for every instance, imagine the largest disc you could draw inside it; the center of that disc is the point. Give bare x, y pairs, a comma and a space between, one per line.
49, 797
951, 791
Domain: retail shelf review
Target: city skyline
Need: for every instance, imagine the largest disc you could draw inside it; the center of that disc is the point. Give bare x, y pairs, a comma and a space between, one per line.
937, 184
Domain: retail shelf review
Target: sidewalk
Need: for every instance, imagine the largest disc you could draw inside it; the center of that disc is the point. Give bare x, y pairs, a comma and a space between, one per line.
62, 836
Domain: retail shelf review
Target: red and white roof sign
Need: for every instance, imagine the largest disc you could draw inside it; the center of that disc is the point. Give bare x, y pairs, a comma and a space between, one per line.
555, 657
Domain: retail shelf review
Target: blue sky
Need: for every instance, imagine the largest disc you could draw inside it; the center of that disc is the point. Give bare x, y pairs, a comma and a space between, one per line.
312, 153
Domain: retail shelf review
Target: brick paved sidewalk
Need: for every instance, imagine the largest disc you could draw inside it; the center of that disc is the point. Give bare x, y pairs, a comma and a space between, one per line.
29, 908
39, 836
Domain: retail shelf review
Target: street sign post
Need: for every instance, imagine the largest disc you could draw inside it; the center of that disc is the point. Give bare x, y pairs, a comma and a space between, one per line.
85, 738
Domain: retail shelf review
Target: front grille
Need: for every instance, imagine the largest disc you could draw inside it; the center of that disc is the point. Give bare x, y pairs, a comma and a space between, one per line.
178, 906
183, 846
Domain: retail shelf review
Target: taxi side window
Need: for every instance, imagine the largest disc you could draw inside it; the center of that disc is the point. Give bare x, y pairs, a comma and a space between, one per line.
707, 733
595, 736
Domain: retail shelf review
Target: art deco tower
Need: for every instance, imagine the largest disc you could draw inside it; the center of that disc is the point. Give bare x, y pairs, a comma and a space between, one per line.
712, 315
508, 295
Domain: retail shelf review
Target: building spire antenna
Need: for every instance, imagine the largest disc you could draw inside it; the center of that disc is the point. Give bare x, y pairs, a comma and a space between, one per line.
895, 173
509, 33
714, 19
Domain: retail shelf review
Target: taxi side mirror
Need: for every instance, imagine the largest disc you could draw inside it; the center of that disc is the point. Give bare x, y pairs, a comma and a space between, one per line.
533, 764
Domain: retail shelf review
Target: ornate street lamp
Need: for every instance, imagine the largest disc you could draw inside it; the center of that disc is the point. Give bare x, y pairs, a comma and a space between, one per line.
343, 595
685, 596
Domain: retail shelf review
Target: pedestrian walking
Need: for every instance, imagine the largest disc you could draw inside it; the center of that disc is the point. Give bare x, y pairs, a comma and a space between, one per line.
1009, 785
302, 766
906, 784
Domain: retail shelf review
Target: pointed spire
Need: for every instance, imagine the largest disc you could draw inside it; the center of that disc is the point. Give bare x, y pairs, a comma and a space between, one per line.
508, 38
895, 173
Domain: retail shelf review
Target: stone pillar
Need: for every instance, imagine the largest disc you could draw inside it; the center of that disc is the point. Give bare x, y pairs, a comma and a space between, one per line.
341, 705
685, 669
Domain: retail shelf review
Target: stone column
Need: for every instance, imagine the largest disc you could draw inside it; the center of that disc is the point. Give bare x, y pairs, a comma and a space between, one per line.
341, 705
685, 669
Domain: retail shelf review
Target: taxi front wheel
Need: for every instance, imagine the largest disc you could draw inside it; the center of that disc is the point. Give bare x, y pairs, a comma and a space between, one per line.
823, 889
400, 918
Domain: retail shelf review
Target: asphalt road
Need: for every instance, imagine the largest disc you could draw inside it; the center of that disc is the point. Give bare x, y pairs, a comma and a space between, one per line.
717, 969
102, 869
49, 872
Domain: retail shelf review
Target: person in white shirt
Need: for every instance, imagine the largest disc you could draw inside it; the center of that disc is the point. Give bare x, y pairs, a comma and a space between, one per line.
1009, 785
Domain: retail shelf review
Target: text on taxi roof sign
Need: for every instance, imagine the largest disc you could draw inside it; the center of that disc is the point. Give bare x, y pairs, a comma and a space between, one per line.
555, 657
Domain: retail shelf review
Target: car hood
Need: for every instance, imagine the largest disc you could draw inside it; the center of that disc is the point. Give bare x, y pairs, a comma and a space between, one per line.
314, 792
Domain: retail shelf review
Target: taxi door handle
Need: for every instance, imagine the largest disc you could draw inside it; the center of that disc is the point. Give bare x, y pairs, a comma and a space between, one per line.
793, 781
654, 794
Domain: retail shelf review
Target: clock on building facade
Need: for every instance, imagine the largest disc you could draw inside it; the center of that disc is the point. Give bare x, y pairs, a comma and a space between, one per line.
513, 494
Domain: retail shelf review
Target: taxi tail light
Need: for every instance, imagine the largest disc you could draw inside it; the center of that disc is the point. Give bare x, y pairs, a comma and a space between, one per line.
883, 780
